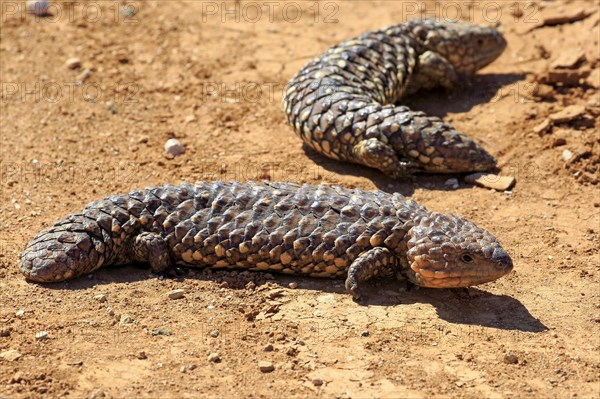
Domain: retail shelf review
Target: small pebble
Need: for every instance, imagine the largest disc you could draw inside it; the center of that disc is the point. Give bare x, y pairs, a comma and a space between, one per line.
214, 357
10, 355
214, 333
161, 331
176, 294
38, 7
489, 180
100, 298
317, 382
73, 63
41, 336
20, 313
266, 367
364, 334
511, 358
125, 319
83, 76
174, 147
268, 348
567, 155
293, 285
568, 113
275, 293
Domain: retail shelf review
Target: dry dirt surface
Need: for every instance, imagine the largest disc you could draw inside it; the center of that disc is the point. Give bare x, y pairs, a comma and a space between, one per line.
211, 74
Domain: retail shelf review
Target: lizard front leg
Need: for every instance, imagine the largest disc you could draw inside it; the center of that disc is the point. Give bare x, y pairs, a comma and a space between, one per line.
376, 262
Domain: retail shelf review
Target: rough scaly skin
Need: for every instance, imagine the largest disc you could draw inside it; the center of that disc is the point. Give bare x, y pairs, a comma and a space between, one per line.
342, 103
307, 230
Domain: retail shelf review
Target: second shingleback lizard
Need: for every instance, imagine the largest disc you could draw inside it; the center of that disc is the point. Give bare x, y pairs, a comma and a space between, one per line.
342, 104
317, 231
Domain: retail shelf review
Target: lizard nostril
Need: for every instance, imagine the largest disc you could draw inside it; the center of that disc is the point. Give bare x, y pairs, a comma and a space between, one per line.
502, 259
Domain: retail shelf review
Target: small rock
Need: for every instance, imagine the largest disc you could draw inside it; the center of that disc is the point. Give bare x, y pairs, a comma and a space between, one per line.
38, 7
142, 355
489, 180
544, 91
511, 358
268, 348
41, 336
558, 141
16, 378
176, 294
275, 293
20, 313
224, 284
265, 366
317, 382
293, 285
565, 76
251, 285
98, 394
161, 331
73, 63
174, 147
214, 357
364, 334
569, 58
11, 355
567, 155
83, 76
568, 114
452, 183
143, 139
100, 298
543, 127
4, 332
555, 16
125, 319
214, 333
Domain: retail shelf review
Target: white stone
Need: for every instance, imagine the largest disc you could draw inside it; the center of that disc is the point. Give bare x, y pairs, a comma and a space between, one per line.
174, 147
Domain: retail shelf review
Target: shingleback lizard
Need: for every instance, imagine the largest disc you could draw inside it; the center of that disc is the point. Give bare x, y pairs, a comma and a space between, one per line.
318, 231
342, 103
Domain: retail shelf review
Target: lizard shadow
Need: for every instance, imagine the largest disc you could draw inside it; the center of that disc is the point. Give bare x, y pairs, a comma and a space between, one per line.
464, 306
385, 183
482, 89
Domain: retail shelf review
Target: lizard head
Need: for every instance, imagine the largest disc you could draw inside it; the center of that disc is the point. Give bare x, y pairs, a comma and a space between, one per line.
467, 47
445, 251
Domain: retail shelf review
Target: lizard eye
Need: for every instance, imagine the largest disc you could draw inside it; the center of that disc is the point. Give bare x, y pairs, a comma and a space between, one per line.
466, 258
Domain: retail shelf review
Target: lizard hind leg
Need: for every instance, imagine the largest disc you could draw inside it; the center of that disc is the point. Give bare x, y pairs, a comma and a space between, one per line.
376, 262
153, 249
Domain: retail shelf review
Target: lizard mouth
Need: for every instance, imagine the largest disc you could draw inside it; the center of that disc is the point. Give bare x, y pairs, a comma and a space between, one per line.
424, 275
